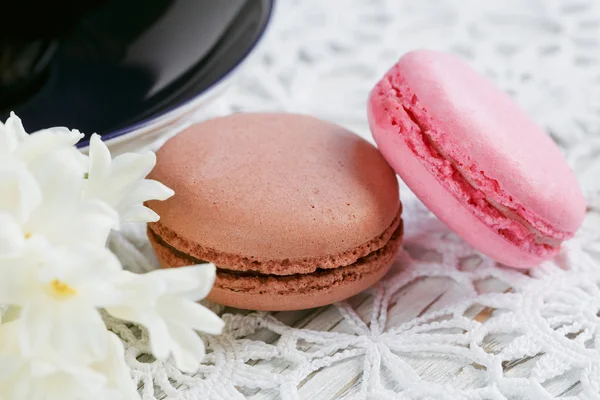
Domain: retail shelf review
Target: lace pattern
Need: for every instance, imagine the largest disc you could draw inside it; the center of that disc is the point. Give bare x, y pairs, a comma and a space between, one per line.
446, 323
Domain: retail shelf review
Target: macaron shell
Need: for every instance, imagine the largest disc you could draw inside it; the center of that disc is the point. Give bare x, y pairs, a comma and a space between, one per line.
437, 199
274, 187
482, 128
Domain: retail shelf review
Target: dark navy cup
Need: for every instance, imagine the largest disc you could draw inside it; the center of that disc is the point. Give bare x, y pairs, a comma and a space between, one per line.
111, 66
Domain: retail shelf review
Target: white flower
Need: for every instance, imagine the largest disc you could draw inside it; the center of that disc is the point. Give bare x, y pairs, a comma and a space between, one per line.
58, 290
57, 207
41, 185
46, 376
120, 182
164, 301
64, 216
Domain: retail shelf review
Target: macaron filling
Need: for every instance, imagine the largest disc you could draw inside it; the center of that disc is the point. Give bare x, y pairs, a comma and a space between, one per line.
319, 279
481, 194
255, 281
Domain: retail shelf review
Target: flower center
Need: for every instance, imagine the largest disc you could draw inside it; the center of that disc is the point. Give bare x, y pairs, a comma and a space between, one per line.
27, 235
61, 290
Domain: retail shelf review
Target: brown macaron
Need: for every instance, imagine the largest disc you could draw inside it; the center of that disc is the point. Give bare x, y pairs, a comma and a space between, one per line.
295, 212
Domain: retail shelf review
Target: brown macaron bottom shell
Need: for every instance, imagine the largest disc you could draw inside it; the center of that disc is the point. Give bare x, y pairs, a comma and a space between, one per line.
255, 291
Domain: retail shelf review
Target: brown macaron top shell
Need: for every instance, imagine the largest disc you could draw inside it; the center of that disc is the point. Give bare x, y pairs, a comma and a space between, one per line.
278, 190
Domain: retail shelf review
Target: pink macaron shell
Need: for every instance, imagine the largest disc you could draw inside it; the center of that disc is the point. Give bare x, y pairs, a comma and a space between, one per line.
474, 134
484, 129
437, 199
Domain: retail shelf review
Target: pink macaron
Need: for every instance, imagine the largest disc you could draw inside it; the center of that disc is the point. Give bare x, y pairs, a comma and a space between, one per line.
475, 159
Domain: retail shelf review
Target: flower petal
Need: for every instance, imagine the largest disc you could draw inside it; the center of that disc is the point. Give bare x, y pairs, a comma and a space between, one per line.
149, 189
60, 382
10, 366
43, 142
189, 351
132, 167
78, 333
12, 132
75, 331
12, 238
116, 370
59, 174
16, 275
139, 213
188, 313
192, 282
87, 214
21, 193
99, 157
160, 339
34, 325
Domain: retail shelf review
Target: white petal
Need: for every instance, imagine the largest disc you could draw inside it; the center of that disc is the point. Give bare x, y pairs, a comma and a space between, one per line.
148, 189
131, 167
81, 264
139, 213
99, 157
34, 325
160, 340
130, 206
192, 282
189, 351
92, 222
15, 127
190, 314
139, 296
49, 140
78, 333
140, 316
9, 334
59, 174
9, 366
12, 237
46, 375
14, 286
116, 370
8, 141
77, 382
61, 183
20, 191
139, 291
16, 278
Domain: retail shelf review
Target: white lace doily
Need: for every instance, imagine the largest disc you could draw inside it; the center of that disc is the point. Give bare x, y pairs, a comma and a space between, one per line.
446, 323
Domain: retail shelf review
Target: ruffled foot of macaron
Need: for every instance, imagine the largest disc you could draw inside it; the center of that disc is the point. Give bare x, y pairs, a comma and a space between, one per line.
475, 159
